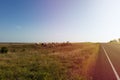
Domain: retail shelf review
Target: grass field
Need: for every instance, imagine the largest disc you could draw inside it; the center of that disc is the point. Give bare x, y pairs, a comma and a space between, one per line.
59, 62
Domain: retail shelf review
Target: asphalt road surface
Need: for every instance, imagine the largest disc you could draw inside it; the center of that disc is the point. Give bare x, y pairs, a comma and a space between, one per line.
108, 63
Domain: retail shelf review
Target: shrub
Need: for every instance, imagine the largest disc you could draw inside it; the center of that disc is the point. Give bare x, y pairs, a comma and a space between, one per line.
14, 50
4, 50
23, 50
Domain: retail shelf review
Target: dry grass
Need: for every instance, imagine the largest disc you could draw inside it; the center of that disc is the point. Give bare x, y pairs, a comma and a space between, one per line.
59, 62
79, 59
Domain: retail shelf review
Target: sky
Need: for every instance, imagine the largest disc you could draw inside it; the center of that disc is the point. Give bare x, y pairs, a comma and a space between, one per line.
59, 20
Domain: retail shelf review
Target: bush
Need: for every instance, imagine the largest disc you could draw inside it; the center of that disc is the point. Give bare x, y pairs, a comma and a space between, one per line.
4, 50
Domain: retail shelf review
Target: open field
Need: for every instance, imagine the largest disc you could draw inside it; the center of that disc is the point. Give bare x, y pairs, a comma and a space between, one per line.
48, 62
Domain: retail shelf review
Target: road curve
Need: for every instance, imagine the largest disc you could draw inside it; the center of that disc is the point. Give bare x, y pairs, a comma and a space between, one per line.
103, 69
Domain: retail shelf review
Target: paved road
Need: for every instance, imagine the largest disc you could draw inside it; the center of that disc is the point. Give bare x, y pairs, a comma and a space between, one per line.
108, 63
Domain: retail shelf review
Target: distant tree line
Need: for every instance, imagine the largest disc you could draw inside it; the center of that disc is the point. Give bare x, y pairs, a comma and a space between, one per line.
115, 41
51, 45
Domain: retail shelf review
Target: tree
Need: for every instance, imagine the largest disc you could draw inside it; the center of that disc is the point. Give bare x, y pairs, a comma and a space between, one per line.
113, 41
119, 39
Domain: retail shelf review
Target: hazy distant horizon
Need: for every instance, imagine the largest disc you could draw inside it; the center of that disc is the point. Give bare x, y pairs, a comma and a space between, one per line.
55, 42
59, 20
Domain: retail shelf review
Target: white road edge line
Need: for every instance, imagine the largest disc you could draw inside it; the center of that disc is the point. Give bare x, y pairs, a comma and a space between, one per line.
113, 68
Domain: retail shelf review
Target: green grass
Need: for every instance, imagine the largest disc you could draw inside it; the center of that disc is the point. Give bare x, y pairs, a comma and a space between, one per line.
30, 62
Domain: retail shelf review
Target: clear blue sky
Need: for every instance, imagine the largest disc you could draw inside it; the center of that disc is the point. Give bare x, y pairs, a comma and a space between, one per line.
59, 20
